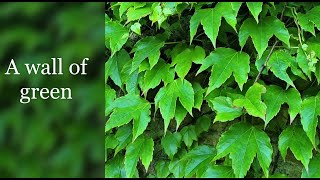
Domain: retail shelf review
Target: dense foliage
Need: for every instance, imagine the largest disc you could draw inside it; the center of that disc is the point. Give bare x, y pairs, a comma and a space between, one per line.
225, 89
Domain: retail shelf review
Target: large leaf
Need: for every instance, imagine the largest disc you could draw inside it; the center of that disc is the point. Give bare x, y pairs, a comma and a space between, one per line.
276, 96
310, 19
262, 32
243, 142
224, 62
148, 47
167, 96
116, 34
252, 101
127, 108
295, 138
210, 19
141, 148
310, 110
114, 168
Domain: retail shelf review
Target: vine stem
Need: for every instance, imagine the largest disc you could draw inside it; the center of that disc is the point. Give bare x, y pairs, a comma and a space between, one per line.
265, 63
269, 55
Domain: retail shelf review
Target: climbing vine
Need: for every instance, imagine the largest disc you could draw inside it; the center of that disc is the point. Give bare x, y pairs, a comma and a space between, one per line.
207, 89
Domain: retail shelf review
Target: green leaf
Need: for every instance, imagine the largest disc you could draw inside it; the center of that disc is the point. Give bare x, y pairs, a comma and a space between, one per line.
217, 171
310, 19
314, 167
171, 143
167, 96
262, 32
210, 19
198, 95
124, 137
295, 138
135, 14
255, 8
276, 96
278, 63
310, 110
177, 167
110, 95
189, 135
141, 148
153, 77
243, 142
114, 66
203, 123
225, 109
180, 114
116, 35
162, 169
127, 108
136, 28
252, 101
198, 158
148, 47
115, 168
183, 60
224, 62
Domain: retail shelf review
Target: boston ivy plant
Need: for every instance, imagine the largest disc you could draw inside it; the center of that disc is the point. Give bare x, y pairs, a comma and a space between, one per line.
212, 89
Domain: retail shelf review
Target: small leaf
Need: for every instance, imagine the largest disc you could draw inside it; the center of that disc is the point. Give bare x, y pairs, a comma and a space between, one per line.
162, 169
294, 137
116, 35
171, 143
225, 109
217, 171
148, 47
203, 123
135, 14
136, 28
243, 142
309, 20
189, 135
141, 148
115, 168
252, 101
124, 137
314, 167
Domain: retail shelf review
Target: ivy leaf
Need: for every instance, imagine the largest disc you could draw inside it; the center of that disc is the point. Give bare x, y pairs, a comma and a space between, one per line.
189, 135
141, 148
255, 8
115, 168
177, 167
148, 47
225, 109
137, 13
276, 96
310, 110
124, 137
136, 28
309, 20
162, 169
198, 95
262, 32
183, 61
210, 19
278, 63
170, 143
252, 101
224, 62
217, 171
153, 77
203, 123
295, 138
198, 158
116, 34
314, 167
167, 96
243, 142
114, 66
180, 114
110, 95
127, 108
